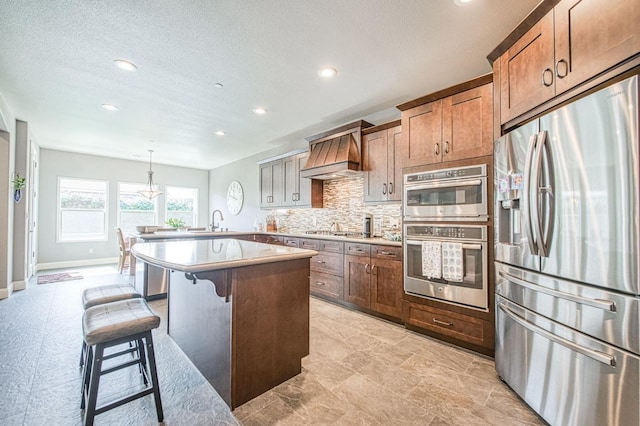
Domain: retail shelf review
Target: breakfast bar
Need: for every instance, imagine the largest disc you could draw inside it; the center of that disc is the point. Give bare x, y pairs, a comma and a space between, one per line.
238, 309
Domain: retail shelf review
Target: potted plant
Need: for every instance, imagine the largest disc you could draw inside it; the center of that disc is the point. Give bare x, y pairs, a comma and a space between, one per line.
175, 223
18, 185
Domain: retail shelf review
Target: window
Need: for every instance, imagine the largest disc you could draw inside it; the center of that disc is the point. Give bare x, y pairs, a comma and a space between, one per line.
134, 209
82, 210
182, 203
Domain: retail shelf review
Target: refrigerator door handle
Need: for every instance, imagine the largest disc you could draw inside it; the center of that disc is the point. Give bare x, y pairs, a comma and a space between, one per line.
605, 305
526, 196
591, 353
545, 189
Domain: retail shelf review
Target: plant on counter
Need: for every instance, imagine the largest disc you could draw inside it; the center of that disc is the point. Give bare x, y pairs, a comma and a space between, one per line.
18, 185
175, 222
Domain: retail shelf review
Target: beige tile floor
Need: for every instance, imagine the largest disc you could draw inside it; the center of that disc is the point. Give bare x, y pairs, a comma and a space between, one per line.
360, 371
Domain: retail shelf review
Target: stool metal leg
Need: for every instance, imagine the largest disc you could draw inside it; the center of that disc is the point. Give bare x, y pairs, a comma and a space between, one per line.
86, 374
154, 376
94, 380
143, 362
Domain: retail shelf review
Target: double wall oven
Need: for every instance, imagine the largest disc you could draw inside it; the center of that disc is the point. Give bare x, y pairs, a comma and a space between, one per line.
445, 259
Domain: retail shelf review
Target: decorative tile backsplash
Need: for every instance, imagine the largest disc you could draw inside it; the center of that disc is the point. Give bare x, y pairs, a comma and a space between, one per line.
343, 205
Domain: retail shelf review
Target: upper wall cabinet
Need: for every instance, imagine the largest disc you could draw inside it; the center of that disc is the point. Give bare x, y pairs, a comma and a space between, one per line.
282, 186
571, 43
453, 124
382, 167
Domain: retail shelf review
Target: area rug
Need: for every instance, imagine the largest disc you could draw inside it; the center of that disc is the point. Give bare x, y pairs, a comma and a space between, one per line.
56, 278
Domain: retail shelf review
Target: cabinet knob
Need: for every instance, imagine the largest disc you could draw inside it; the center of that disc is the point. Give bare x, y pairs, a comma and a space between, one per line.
562, 68
547, 73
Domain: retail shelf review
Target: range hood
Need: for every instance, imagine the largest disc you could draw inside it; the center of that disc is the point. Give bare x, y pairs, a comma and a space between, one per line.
335, 153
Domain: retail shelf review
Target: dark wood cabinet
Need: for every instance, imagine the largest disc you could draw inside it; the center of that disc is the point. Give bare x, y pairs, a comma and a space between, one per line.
282, 186
373, 278
381, 164
326, 279
571, 43
271, 184
453, 124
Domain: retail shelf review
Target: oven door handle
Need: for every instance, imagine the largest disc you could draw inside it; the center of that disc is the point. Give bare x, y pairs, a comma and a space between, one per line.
447, 184
472, 246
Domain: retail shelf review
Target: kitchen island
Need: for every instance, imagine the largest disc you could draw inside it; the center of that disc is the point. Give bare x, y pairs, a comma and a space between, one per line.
238, 309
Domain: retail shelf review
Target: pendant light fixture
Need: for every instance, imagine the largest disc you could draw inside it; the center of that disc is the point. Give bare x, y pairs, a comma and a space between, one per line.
150, 191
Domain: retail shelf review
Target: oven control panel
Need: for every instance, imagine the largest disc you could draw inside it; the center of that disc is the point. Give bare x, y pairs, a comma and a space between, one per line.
460, 172
441, 231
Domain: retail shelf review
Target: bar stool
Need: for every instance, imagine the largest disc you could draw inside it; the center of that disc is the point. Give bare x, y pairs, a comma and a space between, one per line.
105, 294
112, 324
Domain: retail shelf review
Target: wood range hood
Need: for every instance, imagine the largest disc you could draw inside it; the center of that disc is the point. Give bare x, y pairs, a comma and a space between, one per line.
335, 154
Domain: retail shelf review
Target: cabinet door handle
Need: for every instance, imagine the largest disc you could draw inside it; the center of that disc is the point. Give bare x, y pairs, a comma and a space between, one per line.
390, 187
320, 283
384, 188
446, 147
366, 269
545, 73
436, 149
387, 253
374, 268
437, 321
565, 67
320, 261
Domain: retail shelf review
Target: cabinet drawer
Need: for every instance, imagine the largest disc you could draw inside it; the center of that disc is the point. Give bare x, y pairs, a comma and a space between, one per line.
325, 285
331, 246
327, 262
291, 242
356, 249
309, 244
452, 324
386, 252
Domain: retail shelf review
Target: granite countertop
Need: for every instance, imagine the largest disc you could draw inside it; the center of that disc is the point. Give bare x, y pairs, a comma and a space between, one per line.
165, 235
375, 240
209, 255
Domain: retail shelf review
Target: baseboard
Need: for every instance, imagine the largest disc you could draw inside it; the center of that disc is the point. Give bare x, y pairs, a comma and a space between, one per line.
75, 263
19, 285
6, 292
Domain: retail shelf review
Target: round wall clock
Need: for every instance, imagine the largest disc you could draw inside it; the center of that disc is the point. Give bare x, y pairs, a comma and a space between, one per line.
235, 197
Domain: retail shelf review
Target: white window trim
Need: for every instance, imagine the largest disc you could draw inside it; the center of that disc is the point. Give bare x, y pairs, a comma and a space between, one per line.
195, 207
105, 236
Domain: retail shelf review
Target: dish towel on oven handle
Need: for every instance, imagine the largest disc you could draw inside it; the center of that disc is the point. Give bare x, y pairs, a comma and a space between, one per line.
452, 266
431, 259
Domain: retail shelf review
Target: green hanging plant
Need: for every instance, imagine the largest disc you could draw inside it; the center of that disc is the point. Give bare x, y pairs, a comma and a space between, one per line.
18, 182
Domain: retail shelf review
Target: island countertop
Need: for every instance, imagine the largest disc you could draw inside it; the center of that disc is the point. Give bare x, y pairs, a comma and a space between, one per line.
210, 255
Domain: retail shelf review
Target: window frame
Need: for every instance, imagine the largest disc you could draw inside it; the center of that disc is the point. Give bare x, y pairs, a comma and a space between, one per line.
167, 190
156, 204
60, 210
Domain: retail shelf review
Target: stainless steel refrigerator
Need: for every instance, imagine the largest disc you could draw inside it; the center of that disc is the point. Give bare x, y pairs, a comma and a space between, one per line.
566, 260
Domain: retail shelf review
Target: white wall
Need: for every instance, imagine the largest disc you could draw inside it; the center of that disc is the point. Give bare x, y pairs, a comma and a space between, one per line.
54, 164
7, 158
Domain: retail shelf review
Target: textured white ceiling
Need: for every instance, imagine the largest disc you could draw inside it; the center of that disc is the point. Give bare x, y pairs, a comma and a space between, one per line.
56, 68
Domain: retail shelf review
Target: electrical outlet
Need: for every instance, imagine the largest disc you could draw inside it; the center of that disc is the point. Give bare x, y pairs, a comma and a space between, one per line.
90, 250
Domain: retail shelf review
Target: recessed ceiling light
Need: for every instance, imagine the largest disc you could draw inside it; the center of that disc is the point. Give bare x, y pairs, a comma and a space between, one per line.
110, 107
462, 2
218, 85
220, 133
260, 110
125, 65
327, 72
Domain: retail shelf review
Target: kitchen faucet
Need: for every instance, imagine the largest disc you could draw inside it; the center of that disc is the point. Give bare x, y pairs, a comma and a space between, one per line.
213, 220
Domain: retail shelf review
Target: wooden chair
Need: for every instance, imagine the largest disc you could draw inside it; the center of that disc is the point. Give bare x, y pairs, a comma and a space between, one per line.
123, 260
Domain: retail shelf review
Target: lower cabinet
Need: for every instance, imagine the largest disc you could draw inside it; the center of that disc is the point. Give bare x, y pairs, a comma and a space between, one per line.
373, 278
455, 327
326, 278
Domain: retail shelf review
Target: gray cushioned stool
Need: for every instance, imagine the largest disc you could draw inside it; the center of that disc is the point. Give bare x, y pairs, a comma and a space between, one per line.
113, 324
105, 294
